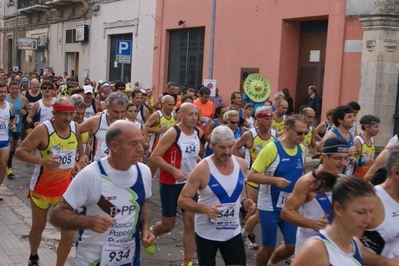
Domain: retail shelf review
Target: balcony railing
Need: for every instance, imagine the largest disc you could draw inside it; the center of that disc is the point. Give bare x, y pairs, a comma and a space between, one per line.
29, 3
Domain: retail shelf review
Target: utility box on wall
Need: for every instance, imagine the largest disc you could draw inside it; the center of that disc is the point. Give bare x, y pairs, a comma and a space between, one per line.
82, 33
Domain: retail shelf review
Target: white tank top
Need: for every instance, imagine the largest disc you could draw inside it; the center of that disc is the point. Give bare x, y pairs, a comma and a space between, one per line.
383, 240
189, 147
225, 190
101, 145
140, 115
46, 113
336, 256
313, 211
4, 122
89, 112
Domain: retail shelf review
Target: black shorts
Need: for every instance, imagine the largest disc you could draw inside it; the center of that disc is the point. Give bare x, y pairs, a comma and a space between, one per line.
169, 195
233, 251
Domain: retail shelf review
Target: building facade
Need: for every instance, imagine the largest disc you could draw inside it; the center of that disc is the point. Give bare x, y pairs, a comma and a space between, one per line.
293, 44
81, 36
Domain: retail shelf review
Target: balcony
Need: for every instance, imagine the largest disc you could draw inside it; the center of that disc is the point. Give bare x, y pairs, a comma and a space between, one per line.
30, 4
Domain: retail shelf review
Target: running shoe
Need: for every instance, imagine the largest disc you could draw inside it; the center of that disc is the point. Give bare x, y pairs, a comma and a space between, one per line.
10, 172
288, 261
34, 263
151, 249
189, 264
251, 243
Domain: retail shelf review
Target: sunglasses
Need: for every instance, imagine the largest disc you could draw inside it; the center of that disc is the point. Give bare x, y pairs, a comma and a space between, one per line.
300, 133
339, 158
235, 122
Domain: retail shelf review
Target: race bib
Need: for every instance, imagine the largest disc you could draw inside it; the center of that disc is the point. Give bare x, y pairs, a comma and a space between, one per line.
3, 126
67, 158
115, 254
17, 119
282, 199
189, 149
228, 217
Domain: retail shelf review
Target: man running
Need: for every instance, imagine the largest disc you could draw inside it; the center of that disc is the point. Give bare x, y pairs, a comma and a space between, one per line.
177, 154
7, 118
55, 142
219, 180
115, 194
276, 169
21, 108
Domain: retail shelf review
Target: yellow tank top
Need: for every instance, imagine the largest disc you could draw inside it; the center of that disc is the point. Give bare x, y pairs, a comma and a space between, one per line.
257, 145
308, 139
278, 126
163, 122
366, 152
54, 182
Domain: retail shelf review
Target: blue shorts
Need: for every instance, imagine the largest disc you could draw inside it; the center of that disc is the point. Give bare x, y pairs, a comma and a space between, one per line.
169, 195
14, 135
269, 220
4, 144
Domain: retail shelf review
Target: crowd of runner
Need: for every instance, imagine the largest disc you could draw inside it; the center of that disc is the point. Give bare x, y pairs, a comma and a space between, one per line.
97, 147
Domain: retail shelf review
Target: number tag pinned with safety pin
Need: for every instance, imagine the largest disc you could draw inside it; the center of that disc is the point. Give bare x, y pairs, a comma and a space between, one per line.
114, 254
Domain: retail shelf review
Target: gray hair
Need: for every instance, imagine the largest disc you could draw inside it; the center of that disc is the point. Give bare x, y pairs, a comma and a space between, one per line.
59, 99
291, 120
76, 98
278, 94
263, 109
392, 159
221, 133
79, 105
117, 98
165, 97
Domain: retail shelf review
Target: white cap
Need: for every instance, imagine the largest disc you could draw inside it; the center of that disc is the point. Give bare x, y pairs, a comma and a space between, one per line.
88, 89
100, 81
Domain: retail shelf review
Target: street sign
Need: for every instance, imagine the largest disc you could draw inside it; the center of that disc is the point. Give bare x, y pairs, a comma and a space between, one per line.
123, 51
211, 84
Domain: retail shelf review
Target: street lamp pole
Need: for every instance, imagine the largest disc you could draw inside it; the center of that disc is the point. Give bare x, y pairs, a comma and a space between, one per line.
212, 40
16, 33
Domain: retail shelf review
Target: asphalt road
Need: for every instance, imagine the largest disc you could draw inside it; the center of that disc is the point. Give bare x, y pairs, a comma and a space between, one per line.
169, 247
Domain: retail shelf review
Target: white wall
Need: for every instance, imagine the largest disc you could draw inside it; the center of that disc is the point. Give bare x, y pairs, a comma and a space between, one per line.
1, 33
58, 49
357, 7
143, 43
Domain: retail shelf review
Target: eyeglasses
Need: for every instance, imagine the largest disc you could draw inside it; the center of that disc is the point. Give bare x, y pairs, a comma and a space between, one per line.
300, 133
66, 114
235, 122
339, 158
47, 88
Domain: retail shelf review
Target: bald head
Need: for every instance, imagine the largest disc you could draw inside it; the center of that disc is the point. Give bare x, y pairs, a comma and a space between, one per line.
34, 82
167, 98
118, 128
187, 107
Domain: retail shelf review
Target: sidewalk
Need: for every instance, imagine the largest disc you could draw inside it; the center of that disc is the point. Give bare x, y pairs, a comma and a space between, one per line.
15, 222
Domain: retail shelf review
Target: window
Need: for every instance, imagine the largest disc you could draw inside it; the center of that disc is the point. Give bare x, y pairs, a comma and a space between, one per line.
70, 36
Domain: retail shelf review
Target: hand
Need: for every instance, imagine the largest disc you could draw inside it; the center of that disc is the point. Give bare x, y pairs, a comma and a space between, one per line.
320, 223
180, 176
76, 169
162, 129
352, 160
23, 112
213, 211
101, 223
36, 124
52, 163
147, 238
368, 161
83, 161
281, 182
250, 206
352, 151
13, 128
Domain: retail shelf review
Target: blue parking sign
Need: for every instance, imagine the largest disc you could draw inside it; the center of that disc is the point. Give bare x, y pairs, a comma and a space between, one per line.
123, 51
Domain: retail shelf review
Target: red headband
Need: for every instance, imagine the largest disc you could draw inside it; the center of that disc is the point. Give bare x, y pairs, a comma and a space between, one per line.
58, 108
263, 115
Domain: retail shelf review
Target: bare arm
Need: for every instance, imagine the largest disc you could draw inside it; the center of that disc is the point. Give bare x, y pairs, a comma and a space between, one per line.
147, 237
377, 260
312, 253
320, 128
99, 108
195, 183
65, 217
378, 163
154, 121
32, 113
244, 141
157, 103
90, 125
211, 127
259, 178
297, 198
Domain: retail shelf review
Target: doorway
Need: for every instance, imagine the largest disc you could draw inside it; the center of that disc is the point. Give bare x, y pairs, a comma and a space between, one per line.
72, 63
311, 61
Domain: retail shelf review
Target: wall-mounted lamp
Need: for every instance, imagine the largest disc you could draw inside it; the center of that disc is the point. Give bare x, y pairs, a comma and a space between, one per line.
180, 22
